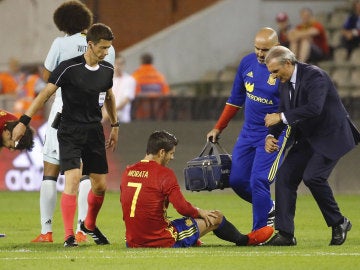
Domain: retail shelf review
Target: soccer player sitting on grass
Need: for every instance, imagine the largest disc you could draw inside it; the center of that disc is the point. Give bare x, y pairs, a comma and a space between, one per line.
148, 186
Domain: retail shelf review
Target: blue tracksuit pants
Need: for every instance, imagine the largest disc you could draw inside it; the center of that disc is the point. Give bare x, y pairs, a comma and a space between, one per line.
250, 169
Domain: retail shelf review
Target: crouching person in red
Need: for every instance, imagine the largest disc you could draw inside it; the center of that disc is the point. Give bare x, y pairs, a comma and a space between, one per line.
7, 123
148, 186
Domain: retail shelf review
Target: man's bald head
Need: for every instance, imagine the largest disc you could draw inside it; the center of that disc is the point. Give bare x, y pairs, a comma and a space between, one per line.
265, 39
267, 34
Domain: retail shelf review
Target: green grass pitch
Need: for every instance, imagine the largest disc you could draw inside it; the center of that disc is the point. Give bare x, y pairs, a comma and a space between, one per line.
19, 220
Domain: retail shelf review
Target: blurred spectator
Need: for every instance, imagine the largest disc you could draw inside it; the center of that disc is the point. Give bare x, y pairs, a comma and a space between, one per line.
123, 89
10, 80
28, 90
149, 81
351, 29
308, 40
283, 27
151, 84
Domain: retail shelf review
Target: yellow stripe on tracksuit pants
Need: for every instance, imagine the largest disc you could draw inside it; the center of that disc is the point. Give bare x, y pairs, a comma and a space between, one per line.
276, 163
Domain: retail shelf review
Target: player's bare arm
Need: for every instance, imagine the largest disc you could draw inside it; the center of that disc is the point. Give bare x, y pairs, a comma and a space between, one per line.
46, 74
35, 106
110, 106
111, 112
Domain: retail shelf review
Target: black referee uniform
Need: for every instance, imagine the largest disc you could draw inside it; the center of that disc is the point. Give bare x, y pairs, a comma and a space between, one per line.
80, 134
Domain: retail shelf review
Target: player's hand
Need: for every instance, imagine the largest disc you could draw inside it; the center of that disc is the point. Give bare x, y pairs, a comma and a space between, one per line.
213, 135
18, 132
113, 139
208, 216
271, 144
272, 119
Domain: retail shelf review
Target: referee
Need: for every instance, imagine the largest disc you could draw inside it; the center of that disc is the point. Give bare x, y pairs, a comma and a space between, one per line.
86, 83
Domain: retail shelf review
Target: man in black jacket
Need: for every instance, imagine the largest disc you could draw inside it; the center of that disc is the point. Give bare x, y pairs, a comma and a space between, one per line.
310, 105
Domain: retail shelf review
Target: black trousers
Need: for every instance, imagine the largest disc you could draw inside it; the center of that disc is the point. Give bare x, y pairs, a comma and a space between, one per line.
302, 163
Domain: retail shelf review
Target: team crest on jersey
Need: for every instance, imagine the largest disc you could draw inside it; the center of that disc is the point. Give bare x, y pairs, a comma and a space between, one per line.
271, 80
249, 87
188, 222
250, 74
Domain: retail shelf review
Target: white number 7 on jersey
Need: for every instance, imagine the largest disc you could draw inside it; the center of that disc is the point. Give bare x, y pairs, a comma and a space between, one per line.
136, 195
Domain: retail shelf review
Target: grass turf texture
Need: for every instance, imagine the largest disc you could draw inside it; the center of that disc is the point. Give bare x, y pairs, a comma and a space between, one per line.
20, 222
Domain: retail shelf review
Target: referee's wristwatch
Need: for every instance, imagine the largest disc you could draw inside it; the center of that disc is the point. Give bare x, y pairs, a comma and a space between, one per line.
116, 124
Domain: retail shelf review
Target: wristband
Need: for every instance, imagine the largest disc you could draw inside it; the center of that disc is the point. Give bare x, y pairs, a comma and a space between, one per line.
117, 124
25, 119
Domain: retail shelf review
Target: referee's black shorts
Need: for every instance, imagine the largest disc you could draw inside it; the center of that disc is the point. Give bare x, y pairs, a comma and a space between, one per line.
84, 143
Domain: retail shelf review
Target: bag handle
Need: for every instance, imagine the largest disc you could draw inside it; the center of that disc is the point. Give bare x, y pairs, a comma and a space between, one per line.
215, 149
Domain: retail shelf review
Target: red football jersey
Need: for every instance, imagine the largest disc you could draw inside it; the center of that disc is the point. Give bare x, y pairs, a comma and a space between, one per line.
145, 192
5, 117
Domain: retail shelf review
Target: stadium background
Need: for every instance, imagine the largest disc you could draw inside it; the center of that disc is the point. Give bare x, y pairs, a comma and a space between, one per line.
188, 39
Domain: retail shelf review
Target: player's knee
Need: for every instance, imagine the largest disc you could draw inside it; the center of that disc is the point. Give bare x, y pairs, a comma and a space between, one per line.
98, 189
261, 183
98, 184
218, 219
238, 182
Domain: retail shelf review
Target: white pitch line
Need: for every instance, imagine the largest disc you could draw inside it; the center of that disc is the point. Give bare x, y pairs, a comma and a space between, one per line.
143, 255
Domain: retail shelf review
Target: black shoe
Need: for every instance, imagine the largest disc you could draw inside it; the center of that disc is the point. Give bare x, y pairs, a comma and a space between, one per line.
271, 216
70, 242
280, 240
98, 237
339, 232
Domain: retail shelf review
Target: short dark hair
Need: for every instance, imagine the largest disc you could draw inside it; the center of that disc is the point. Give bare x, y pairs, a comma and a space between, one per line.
147, 59
99, 31
72, 17
27, 141
160, 140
